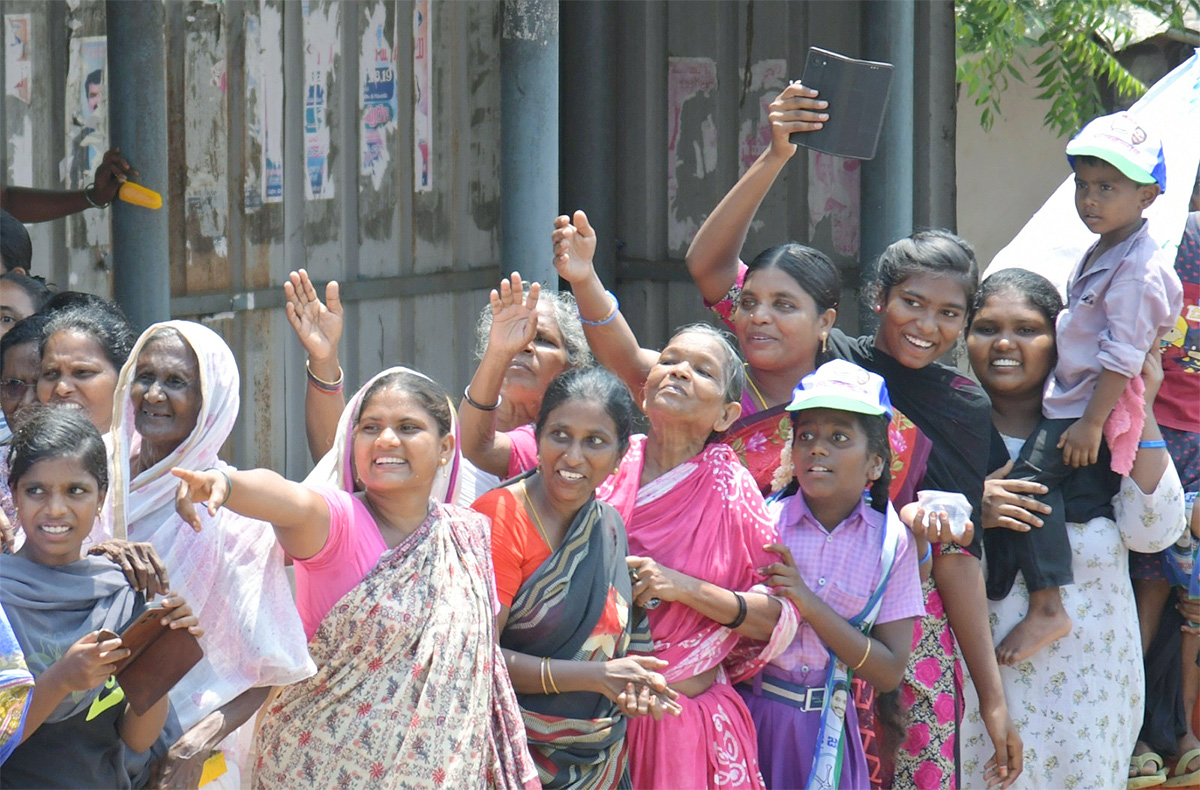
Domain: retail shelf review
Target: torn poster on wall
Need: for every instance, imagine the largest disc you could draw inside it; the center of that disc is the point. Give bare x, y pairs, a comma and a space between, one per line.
321, 35
264, 103
380, 108
688, 78
18, 60
422, 112
87, 107
86, 100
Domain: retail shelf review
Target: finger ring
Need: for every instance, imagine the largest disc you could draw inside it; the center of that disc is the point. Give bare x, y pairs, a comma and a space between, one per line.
653, 603
633, 575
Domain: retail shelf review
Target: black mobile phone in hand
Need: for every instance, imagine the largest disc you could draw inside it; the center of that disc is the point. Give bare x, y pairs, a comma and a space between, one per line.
857, 92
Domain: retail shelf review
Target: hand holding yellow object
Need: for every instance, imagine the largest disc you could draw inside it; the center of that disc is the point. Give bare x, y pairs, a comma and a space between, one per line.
138, 195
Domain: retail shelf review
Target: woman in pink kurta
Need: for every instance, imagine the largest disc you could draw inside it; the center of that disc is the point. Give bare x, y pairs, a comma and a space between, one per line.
696, 538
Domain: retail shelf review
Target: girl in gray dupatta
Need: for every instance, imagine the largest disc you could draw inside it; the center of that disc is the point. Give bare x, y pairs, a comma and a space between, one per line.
76, 725
567, 614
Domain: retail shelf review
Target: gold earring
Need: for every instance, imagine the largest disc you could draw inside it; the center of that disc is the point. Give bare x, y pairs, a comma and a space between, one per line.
444, 460
824, 342
616, 469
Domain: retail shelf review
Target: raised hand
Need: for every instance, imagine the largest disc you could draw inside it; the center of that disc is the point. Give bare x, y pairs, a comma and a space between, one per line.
110, 175
514, 316
796, 109
319, 326
210, 487
574, 247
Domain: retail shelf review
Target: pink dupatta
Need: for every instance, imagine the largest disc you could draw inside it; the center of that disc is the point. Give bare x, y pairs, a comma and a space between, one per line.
705, 518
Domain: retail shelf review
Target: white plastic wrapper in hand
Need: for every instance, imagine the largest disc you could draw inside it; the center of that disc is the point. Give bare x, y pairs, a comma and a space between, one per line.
954, 505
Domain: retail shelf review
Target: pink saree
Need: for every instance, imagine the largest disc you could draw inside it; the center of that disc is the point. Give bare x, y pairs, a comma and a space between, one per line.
705, 518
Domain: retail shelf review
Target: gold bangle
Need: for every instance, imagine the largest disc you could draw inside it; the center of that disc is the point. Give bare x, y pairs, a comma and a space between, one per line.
553, 685
322, 384
864, 658
542, 672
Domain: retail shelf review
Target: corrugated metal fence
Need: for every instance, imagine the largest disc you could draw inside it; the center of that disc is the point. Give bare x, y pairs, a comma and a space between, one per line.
361, 140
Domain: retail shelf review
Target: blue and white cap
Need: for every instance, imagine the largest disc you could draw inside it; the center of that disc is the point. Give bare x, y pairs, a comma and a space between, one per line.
845, 386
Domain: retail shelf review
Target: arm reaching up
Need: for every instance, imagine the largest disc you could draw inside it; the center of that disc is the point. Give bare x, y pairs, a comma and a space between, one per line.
514, 326
712, 258
319, 327
610, 337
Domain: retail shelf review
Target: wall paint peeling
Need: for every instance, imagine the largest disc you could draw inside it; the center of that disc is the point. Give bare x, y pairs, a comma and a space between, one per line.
264, 104
767, 78
691, 83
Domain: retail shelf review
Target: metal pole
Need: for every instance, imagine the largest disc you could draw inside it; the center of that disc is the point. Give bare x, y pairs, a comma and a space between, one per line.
137, 91
887, 181
935, 115
528, 137
588, 143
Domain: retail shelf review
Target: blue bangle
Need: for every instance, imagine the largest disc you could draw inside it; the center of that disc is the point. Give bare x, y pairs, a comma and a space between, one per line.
928, 555
1150, 444
616, 308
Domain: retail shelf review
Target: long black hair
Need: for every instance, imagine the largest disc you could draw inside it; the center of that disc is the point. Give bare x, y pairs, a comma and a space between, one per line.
99, 319
1038, 292
427, 392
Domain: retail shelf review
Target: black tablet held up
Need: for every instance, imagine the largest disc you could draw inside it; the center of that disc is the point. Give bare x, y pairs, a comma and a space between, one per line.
857, 92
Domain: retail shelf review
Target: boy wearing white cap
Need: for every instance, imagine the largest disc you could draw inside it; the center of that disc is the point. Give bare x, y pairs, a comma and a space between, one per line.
1121, 297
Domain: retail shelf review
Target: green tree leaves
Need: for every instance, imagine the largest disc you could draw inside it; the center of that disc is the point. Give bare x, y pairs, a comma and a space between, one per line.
1072, 44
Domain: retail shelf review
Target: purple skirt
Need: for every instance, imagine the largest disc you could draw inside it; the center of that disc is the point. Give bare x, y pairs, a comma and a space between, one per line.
787, 736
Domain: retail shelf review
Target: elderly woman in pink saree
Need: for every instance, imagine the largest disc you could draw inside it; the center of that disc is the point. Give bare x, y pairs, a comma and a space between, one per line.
696, 537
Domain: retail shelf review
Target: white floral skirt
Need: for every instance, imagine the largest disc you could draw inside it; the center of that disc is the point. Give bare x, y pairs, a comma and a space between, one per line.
1078, 703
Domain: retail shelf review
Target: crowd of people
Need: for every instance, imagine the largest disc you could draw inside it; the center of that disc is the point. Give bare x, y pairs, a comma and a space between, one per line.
719, 564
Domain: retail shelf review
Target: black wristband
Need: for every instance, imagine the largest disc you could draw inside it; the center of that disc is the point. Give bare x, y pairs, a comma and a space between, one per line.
741, 615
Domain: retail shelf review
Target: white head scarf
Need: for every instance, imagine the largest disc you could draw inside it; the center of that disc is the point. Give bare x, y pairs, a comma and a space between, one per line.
336, 468
231, 572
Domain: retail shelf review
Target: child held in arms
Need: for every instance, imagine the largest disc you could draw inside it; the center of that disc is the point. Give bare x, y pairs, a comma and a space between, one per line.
1121, 297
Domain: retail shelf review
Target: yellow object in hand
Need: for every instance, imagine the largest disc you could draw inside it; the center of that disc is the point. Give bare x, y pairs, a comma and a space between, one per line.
214, 766
138, 195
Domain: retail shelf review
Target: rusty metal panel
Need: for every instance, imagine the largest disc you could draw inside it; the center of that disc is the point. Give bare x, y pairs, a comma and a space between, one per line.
695, 81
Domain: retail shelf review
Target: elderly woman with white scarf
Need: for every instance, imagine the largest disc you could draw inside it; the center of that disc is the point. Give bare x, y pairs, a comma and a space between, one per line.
176, 403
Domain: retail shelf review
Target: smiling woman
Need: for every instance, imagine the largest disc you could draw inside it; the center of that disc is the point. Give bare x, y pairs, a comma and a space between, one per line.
567, 618
179, 398
526, 339
394, 593
82, 349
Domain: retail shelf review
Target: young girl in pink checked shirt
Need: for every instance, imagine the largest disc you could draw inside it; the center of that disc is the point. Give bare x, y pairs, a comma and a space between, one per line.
856, 583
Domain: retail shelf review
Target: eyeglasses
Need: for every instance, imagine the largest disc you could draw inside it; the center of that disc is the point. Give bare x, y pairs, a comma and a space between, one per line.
15, 389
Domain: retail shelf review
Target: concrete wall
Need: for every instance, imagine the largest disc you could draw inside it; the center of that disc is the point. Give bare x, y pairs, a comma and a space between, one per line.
1005, 174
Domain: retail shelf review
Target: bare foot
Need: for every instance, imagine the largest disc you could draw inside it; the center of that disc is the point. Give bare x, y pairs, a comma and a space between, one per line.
1039, 629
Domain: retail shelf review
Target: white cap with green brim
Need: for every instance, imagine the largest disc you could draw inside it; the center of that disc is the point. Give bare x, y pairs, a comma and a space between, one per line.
1125, 143
844, 386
